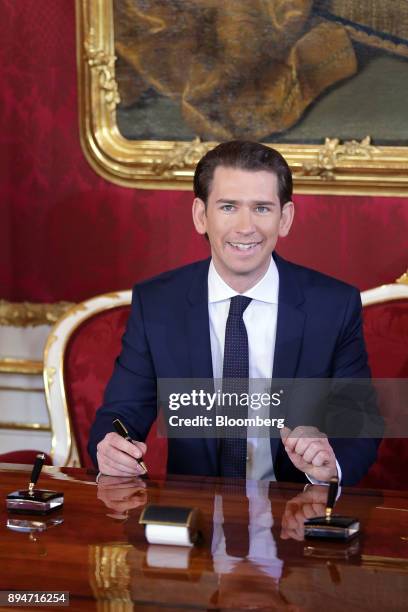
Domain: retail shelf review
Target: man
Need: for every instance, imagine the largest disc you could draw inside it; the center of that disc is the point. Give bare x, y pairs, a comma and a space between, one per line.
294, 323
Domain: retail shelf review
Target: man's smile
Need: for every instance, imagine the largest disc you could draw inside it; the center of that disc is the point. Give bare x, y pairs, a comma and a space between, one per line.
244, 246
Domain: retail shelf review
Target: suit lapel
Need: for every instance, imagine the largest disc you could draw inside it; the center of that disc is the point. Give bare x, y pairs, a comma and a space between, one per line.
198, 329
290, 323
198, 325
289, 332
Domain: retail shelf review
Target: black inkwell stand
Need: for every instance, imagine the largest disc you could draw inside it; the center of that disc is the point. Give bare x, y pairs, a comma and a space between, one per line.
35, 501
332, 526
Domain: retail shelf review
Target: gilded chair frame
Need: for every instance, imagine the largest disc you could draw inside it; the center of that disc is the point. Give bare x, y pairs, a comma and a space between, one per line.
386, 293
334, 167
64, 448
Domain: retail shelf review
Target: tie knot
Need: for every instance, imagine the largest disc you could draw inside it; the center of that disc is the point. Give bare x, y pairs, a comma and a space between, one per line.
238, 305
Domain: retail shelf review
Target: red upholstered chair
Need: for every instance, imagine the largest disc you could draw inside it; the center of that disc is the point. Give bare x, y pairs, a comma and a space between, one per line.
78, 361
386, 333
23, 456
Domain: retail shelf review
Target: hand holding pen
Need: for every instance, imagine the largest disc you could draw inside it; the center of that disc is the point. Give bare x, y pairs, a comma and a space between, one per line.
122, 431
119, 455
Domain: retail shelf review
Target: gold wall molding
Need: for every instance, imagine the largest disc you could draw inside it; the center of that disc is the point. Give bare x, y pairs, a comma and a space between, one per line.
331, 168
20, 389
10, 365
24, 426
31, 314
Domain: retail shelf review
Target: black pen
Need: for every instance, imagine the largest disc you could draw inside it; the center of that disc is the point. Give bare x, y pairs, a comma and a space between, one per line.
331, 496
122, 431
36, 471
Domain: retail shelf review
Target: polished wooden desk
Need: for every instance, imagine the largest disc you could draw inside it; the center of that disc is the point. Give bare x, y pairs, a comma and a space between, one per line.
99, 554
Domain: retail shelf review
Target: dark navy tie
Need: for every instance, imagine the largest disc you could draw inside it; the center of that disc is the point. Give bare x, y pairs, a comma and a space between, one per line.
233, 450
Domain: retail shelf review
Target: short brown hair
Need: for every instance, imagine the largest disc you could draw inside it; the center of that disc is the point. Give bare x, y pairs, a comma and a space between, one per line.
245, 155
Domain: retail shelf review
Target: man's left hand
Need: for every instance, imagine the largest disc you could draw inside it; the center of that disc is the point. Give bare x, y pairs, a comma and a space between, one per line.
310, 451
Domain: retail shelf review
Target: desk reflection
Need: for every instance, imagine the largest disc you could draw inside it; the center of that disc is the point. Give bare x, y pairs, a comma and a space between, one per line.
306, 505
121, 494
238, 561
240, 558
252, 555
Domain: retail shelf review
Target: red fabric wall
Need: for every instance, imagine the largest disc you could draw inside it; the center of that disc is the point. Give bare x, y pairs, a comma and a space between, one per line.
66, 233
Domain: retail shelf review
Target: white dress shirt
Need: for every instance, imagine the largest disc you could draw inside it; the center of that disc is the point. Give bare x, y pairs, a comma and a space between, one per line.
262, 550
260, 318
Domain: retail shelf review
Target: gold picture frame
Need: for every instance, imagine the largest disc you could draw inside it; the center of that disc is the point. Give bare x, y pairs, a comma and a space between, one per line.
334, 167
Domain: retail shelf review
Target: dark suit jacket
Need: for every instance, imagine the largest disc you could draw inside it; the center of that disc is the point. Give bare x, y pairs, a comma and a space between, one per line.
319, 334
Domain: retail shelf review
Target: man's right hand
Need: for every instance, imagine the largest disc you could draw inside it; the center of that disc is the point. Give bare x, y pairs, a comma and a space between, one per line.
117, 456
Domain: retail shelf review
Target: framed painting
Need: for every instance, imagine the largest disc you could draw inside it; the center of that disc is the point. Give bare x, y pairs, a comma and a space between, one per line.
323, 81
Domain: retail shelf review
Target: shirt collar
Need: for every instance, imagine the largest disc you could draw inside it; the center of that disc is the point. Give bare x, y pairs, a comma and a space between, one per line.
266, 290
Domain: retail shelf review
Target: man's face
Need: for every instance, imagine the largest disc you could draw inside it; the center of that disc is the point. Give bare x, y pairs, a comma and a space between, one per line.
243, 221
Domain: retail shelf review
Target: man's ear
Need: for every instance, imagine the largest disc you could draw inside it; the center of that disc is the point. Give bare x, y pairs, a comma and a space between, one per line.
288, 212
199, 216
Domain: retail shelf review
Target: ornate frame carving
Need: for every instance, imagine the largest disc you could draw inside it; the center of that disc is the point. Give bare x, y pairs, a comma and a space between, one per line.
31, 314
333, 168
